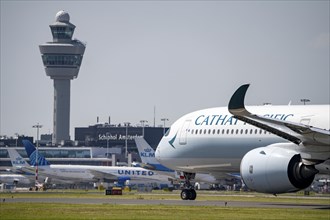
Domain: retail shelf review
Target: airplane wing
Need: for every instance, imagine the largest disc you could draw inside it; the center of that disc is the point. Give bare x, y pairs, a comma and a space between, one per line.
295, 132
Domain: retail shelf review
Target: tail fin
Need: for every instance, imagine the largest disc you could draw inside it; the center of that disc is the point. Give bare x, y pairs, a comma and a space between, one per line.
16, 159
32, 153
146, 152
147, 155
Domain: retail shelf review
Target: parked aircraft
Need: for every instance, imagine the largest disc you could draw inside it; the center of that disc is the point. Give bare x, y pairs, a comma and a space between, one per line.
21, 167
276, 149
87, 173
15, 179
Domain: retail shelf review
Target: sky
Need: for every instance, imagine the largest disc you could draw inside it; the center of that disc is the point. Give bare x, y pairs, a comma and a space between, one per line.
172, 56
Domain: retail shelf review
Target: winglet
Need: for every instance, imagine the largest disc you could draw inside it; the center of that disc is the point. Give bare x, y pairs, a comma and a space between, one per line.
237, 100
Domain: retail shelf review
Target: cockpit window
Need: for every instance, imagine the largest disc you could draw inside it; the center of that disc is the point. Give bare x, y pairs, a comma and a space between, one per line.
167, 132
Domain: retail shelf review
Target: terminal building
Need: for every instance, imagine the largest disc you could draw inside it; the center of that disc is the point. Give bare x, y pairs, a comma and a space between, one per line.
93, 145
106, 135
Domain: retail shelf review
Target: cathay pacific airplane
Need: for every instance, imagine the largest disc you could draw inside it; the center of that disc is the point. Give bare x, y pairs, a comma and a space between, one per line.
149, 162
87, 173
276, 149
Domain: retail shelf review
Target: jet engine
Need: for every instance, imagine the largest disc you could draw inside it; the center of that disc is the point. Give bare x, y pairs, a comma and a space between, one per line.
276, 169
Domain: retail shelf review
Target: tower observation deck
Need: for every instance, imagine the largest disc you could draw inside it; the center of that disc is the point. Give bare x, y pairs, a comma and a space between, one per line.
62, 59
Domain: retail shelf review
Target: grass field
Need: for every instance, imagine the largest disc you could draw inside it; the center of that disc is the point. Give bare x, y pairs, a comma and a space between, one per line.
111, 211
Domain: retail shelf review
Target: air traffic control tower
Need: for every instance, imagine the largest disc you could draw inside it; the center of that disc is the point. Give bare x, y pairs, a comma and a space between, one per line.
62, 59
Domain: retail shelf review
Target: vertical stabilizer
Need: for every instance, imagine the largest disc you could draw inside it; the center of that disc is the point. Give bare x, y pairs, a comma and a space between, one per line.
32, 153
147, 155
16, 159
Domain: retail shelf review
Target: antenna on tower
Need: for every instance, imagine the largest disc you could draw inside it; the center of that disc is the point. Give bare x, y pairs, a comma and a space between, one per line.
154, 116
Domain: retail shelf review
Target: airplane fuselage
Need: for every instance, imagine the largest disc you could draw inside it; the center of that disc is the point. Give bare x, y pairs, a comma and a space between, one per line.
212, 139
86, 173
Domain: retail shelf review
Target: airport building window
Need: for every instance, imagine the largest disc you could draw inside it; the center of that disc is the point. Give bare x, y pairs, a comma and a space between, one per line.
60, 59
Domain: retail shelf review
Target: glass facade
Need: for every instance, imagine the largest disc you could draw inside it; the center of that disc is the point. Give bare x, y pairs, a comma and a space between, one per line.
60, 59
53, 153
62, 32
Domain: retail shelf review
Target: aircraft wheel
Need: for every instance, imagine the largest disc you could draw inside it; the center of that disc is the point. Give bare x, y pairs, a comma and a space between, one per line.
185, 194
193, 194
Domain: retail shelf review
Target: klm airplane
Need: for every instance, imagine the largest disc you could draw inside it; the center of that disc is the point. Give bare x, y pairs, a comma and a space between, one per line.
276, 149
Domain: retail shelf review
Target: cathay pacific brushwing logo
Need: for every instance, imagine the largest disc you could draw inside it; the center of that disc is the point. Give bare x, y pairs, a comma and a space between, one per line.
171, 142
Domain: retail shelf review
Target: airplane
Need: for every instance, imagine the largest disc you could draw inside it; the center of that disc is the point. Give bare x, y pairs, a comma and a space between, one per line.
149, 162
89, 173
23, 168
14, 179
276, 149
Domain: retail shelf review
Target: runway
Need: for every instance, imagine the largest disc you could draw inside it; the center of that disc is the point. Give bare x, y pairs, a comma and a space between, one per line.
118, 201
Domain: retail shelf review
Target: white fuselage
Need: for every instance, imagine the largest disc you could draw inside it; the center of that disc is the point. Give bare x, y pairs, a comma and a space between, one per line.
14, 179
86, 173
213, 140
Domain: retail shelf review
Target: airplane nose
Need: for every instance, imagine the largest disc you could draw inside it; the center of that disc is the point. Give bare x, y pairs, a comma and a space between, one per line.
157, 153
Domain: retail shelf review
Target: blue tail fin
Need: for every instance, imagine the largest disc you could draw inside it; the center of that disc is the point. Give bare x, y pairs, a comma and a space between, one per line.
31, 152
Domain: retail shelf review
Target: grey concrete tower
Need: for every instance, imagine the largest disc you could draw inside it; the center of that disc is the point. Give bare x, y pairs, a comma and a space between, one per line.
62, 59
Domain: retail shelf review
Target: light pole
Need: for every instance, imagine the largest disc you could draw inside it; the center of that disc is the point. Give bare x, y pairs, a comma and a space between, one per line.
107, 148
37, 126
305, 100
142, 123
164, 120
16, 136
126, 125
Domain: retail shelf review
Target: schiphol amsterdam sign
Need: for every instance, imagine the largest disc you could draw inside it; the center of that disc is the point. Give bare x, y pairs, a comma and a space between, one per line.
115, 137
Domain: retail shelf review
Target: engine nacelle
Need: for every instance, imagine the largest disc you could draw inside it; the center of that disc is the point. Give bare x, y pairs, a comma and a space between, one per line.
276, 169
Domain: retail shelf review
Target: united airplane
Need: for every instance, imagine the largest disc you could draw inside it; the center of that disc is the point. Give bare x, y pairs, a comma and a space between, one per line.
276, 149
88, 173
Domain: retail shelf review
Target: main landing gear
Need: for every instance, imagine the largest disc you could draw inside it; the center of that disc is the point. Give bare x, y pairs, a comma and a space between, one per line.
188, 192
